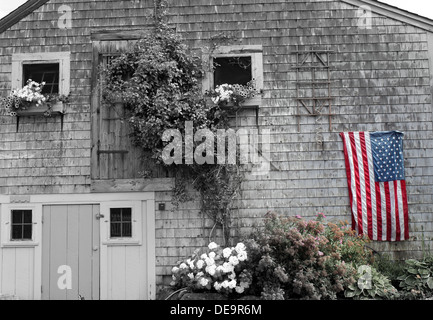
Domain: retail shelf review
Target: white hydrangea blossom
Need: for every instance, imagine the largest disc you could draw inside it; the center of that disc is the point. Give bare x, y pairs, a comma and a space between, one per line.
242, 256
212, 246
234, 260
204, 282
227, 252
200, 264
175, 270
211, 269
240, 289
240, 247
217, 268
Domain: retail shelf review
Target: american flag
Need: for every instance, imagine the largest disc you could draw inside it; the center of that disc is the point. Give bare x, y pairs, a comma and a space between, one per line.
377, 186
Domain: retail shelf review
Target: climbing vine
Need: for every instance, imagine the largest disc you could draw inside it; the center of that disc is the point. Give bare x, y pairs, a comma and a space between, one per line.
158, 82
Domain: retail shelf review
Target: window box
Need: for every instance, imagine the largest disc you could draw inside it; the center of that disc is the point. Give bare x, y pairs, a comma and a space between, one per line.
251, 103
42, 110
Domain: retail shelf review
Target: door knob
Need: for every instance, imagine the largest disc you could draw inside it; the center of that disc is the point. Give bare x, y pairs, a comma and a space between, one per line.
99, 216
95, 248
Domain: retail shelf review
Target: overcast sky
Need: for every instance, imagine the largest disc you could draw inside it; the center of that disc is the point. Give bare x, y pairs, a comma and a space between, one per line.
421, 7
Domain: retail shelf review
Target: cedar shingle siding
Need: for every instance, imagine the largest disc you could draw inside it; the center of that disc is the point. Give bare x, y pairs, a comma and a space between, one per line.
381, 80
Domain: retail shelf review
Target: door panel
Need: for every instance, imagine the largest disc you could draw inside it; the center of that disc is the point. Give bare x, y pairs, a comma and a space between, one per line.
70, 241
124, 261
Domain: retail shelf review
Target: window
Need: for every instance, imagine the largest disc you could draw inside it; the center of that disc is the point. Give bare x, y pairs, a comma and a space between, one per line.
51, 67
21, 225
232, 70
120, 223
235, 65
43, 72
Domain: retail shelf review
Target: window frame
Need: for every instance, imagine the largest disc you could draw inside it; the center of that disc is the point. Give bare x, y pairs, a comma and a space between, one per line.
253, 51
121, 223
62, 58
6, 225
22, 224
136, 223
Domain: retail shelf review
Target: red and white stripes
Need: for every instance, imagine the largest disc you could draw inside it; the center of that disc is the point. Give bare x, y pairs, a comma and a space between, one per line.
379, 209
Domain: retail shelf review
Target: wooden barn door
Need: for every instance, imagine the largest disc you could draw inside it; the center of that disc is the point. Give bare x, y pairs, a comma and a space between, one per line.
70, 252
113, 153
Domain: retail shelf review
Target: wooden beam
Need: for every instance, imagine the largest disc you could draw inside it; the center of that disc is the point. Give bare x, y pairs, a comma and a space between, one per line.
117, 35
132, 185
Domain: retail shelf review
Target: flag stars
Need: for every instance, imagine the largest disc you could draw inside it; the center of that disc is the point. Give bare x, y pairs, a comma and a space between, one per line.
388, 162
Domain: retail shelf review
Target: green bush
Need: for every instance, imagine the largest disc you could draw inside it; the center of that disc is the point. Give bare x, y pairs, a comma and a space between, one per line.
392, 269
418, 278
295, 258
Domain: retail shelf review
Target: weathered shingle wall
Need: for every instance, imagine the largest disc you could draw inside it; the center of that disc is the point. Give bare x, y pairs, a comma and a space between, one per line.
41, 157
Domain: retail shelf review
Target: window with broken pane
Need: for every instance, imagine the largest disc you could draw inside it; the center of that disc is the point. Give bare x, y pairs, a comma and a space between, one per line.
43, 72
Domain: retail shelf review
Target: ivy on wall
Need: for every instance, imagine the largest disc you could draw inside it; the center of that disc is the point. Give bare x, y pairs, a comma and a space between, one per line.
158, 81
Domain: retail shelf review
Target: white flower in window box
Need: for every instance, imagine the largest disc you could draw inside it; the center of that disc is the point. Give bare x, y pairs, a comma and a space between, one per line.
30, 101
233, 94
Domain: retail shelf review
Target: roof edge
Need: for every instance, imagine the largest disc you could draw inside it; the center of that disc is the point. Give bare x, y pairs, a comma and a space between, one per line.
396, 13
21, 12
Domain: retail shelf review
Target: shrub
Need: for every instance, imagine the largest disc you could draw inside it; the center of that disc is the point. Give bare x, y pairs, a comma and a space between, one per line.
345, 244
418, 278
392, 269
371, 284
294, 256
216, 269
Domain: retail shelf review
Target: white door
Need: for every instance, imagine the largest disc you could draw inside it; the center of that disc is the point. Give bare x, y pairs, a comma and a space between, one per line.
125, 255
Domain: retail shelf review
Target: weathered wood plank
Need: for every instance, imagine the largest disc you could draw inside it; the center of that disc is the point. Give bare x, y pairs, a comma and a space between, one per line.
132, 185
119, 34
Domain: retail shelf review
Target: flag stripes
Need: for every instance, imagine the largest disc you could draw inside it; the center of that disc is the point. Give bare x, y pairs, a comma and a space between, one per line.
379, 208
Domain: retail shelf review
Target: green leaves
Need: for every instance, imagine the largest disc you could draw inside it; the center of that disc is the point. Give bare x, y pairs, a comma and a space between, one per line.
430, 283
371, 285
418, 276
